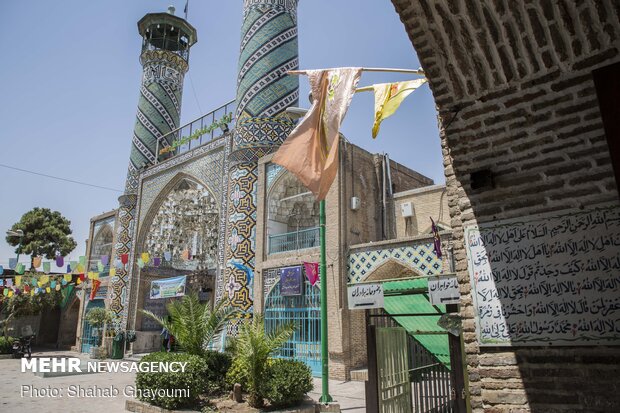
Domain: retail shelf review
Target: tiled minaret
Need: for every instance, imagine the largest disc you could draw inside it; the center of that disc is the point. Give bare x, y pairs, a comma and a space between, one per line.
166, 40
268, 50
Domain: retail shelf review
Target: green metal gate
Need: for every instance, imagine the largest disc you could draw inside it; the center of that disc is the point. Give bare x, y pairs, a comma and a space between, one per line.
305, 312
393, 369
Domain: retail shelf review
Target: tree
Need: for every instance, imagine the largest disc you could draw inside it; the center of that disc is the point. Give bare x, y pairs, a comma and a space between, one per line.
99, 317
193, 324
253, 347
46, 233
25, 304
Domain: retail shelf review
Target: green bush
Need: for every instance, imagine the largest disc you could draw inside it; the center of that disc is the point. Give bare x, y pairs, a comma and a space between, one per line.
218, 365
287, 382
194, 379
6, 345
237, 374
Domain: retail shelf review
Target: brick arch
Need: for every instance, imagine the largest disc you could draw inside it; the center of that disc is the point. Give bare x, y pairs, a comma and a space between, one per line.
514, 87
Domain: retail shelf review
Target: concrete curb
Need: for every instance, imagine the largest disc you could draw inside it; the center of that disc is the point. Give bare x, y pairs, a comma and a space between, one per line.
142, 407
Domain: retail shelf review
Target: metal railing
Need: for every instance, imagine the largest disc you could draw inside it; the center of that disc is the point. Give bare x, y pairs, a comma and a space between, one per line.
292, 241
196, 133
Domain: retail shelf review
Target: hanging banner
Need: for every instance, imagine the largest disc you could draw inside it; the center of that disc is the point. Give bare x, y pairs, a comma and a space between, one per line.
105, 259
60, 261
444, 290
12, 263
362, 296
291, 281
168, 287
36, 262
93, 290
168, 256
312, 272
47, 267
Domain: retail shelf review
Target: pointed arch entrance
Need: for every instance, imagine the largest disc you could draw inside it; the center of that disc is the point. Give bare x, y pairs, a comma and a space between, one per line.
182, 229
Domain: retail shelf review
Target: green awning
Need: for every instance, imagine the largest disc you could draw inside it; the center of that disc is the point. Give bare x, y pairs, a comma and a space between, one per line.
400, 298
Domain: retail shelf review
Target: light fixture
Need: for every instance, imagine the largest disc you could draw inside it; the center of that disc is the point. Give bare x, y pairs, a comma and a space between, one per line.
296, 113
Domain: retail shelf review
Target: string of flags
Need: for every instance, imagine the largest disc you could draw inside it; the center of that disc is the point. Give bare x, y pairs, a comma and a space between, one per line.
45, 283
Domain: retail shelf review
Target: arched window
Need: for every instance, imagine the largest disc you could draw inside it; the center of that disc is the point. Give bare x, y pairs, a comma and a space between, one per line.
292, 217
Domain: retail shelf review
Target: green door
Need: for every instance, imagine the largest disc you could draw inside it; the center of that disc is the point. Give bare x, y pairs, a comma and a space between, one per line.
393, 370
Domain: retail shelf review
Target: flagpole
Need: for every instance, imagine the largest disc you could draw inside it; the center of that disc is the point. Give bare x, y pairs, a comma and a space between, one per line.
325, 397
369, 69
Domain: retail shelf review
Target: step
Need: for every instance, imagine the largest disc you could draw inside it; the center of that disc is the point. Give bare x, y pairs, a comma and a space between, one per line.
359, 375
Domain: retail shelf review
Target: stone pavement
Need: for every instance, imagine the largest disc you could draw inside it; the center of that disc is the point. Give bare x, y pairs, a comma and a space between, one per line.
350, 395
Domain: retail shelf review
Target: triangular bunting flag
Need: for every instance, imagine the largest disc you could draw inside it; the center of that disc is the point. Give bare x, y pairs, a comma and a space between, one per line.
36, 262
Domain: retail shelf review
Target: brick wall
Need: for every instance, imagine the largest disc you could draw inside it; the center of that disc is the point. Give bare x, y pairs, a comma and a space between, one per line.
513, 85
426, 202
356, 177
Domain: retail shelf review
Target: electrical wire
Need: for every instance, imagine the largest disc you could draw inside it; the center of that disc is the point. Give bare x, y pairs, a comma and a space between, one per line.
191, 82
58, 178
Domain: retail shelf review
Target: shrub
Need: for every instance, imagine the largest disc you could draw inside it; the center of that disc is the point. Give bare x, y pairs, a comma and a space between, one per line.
193, 379
288, 381
218, 365
6, 344
237, 374
192, 323
253, 347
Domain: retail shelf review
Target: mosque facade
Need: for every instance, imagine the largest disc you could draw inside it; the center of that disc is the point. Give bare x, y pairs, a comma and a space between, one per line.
204, 196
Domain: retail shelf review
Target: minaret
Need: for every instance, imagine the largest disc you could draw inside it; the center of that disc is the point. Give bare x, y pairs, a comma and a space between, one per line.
166, 40
268, 50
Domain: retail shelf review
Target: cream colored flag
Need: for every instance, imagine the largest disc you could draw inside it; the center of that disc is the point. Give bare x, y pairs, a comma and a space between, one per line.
311, 150
388, 97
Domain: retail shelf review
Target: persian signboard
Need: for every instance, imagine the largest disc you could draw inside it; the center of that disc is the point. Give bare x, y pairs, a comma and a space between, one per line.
168, 287
291, 281
363, 296
444, 290
547, 280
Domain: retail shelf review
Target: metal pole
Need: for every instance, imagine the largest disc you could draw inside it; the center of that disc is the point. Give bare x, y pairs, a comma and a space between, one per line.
325, 397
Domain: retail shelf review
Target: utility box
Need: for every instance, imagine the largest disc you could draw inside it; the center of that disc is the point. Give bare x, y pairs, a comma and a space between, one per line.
406, 209
355, 203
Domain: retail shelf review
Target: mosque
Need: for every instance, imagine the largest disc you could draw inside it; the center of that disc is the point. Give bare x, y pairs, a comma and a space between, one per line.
202, 196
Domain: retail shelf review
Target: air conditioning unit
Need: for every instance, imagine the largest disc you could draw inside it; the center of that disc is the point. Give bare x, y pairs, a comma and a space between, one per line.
406, 209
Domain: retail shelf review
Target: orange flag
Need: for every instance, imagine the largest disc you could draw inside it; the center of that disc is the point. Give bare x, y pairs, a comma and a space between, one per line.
311, 150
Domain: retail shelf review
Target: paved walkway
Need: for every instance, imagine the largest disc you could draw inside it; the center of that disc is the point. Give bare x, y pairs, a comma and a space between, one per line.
19, 391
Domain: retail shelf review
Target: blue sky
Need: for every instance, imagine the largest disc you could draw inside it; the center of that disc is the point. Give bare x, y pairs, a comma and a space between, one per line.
71, 79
